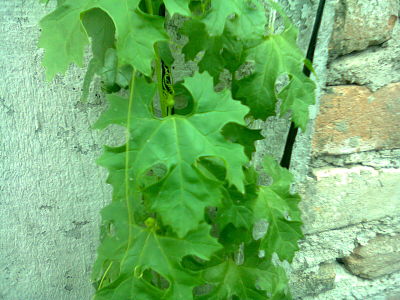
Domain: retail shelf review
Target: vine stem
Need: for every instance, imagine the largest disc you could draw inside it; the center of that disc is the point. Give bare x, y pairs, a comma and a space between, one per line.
131, 217
104, 275
163, 104
272, 18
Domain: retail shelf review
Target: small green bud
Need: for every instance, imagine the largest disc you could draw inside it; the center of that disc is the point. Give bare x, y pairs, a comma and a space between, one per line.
170, 100
150, 222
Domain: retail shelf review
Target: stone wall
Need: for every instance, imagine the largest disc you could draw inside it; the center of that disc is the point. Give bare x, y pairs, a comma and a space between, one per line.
351, 203
51, 189
347, 163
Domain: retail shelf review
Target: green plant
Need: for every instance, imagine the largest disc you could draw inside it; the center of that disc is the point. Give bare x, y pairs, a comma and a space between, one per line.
188, 219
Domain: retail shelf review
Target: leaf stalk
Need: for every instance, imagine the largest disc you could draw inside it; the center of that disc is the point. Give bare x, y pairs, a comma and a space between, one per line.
158, 69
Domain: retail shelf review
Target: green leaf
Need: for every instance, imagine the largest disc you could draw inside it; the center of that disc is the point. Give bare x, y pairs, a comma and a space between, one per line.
225, 51
279, 207
243, 136
246, 282
249, 14
164, 254
129, 288
138, 249
297, 96
237, 208
101, 30
137, 35
187, 212
165, 54
64, 36
178, 7
199, 40
249, 23
277, 56
114, 77
233, 51
220, 52
179, 142
234, 211
276, 283
87, 80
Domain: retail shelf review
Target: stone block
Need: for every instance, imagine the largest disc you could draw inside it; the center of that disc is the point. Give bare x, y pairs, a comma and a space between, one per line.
395, 296
360, 23
381, 256
354, 119
339, 197
313, 281
374, 67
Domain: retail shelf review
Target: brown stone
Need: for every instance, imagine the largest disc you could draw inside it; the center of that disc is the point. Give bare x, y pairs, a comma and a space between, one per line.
381, 256
353, 119
360, 23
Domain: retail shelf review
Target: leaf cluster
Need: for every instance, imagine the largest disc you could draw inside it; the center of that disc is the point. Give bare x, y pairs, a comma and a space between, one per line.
188, 219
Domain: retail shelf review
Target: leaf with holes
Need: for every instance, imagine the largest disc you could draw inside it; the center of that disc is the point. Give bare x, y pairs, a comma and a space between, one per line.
64, 36
178, 142
136, 250
273, 59
248, 281
250, 17
188, 218
221, 52
279, 207
199, 40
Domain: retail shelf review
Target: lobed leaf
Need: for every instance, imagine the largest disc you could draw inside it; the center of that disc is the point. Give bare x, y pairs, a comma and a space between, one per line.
225, 51
199, 40
178, 142
279, 207
100, 28
249, 14
176, 173
136, 249
178, 7
244, 136
64, 37
248, 281
277, 56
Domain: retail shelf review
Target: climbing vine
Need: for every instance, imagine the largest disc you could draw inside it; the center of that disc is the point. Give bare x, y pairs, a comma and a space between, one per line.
188, 219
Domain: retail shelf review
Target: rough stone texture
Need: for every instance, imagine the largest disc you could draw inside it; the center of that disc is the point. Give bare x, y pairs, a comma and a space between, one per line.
360, 23
353, 119
374, 159
350, 287
338, 197
313, 281
329, 245
393, 297
381, 256
374, 67
51, 190
302, 13
345, 202
325, 247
